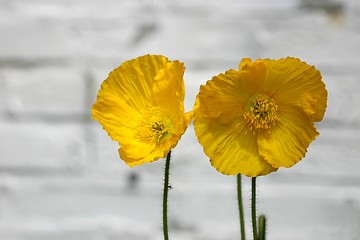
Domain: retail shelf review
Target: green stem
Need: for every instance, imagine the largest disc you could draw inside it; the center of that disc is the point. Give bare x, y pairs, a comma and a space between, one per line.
262, 226
165, 196
241, 209
253, 207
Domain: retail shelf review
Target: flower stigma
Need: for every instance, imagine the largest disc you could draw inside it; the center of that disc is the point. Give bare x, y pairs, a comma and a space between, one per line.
154, 126
260, 112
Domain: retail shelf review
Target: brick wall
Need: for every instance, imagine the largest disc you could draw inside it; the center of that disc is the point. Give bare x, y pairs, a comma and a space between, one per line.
60, 174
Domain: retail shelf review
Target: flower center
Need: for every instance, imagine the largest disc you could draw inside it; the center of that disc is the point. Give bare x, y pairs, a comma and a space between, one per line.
154, 126
260, 112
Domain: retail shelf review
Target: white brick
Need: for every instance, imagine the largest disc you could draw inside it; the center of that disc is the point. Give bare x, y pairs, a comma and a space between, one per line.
309, 210
343, 97
44, 91
79, 9
32, 147
2, 96
78, 228
33, 39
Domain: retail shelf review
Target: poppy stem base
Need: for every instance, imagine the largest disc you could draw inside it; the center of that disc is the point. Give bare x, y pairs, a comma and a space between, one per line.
262, 226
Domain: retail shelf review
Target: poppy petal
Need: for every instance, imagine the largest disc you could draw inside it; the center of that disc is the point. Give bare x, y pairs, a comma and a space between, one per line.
287, 142
296, 83
232, 149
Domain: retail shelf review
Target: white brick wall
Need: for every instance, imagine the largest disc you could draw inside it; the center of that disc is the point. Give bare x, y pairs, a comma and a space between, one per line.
44, 91
60, 175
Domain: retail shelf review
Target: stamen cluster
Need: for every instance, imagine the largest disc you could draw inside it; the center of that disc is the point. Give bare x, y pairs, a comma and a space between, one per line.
261, 112
153, 125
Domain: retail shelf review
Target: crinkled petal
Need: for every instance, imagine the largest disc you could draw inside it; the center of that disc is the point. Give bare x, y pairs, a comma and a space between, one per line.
298, 84
254, 73
169, 89
224, 96
232, 149
117, 119
287, 142
133, 81
137, 153
245, 62
115, 116
169, 93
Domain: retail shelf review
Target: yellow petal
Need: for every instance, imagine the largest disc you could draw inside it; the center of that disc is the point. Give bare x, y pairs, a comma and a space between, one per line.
287, 142
244, 62
115, 116
169, 89
296, 83
117, 120
169, 93
137, 152
254, 73
224, 96
134, 78
232, 148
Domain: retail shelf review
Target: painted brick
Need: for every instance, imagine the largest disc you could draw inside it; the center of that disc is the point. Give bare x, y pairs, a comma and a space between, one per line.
33, 40
37, 92
2, 97
33, 148
343, 91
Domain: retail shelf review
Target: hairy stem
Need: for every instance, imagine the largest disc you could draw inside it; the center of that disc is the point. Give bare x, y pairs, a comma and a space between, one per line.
165, 196
253, 207
241, 209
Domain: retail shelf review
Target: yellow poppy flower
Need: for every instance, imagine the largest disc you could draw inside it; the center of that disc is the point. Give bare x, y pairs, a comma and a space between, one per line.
141, 105
261, 117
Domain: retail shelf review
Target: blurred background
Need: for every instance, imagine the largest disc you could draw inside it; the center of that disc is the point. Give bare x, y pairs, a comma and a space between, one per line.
60, 174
